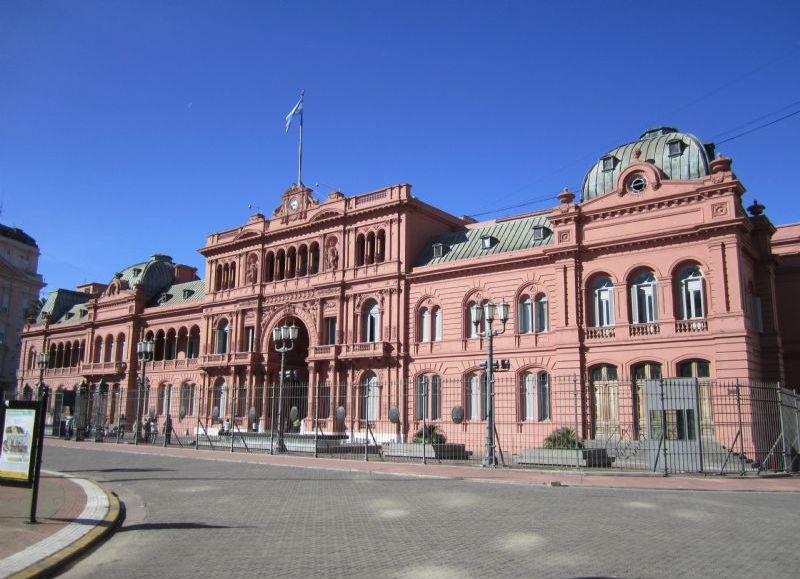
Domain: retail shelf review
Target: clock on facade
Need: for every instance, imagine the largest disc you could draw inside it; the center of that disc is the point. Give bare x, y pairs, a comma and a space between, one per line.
294, 204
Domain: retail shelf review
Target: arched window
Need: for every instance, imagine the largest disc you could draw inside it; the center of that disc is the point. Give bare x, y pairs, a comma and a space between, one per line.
380, 249
314, 258
535, 396
120, 351
473, 330
193, 346
232, 279
158, 348
370, 249
475, 397
218, 278
604, 410
98, 350
291, 262
302, 261
164, 398
281, 266
370, 397
541, 314
270, 267
226, 273
437, 324
525, 314
108, 350
187, 400
27, 393
372, 322
691, 300
424, 328
644, 308
169, 345
360, 249
429, 398
222, 337
602, 302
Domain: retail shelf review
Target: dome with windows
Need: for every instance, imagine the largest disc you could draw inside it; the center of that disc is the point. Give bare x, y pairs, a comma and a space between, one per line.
679, 155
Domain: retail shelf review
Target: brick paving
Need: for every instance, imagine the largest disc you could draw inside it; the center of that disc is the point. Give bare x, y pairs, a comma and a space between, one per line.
195, 513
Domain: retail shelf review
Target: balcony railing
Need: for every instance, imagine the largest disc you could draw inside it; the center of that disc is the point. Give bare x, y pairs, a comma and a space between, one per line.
689, 326
328, 352
176, 364
103, 368
366, 350
230, 359
648, 329
601, 332
56, 372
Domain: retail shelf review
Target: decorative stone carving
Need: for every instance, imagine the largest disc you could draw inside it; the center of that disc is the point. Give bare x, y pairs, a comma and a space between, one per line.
564, 236
719, 209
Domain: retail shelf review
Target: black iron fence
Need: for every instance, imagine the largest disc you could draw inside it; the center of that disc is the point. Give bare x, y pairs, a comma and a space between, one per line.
664, 425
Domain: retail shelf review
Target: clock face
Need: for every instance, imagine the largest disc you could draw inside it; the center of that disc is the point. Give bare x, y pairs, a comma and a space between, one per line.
294, 204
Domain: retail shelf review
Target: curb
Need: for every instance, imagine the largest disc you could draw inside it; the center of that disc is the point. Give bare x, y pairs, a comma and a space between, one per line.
59, 560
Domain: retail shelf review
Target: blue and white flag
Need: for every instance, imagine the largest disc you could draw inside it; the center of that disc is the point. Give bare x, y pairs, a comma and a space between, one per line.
296, 111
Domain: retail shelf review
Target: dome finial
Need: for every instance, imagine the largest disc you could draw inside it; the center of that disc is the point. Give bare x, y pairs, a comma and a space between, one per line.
566, 196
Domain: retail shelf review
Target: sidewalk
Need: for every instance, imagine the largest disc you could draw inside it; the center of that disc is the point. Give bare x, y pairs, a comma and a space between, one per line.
73, 514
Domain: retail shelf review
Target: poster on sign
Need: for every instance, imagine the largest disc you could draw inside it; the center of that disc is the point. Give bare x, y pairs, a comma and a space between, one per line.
18, 442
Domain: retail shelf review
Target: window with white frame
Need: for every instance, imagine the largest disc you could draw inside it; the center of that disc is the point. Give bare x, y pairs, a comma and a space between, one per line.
371, 396
474, 328
527, 395
525, 314
372, 322
603, 302
437, 324
692, 294
541, 314
643, 298
543, 396
222, 337
476, 397
428, 398
424, 325
187, 400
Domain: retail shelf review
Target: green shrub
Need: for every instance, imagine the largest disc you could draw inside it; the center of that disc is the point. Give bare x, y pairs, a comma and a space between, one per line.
429, 435
562, 438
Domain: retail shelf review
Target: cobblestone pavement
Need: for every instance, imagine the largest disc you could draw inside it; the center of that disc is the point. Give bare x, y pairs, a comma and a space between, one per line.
189, 517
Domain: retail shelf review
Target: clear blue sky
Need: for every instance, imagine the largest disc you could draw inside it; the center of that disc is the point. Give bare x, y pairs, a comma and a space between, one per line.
129, 128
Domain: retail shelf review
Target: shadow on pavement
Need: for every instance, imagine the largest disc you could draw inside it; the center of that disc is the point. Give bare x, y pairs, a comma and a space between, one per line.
156, 526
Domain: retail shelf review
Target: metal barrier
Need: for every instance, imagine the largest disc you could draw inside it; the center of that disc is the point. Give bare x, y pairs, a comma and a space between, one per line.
663, 425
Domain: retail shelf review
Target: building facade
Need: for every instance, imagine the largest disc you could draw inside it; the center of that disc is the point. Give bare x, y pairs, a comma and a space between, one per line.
657, 270
19, 289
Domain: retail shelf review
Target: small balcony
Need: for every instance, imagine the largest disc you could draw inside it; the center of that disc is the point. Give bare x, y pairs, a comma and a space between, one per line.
648, 329
230, 359
690, 326
329, 352
177, 364
601, 333
366, 350
60, 372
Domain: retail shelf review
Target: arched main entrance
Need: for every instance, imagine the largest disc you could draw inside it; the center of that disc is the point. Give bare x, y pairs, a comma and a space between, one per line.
294, 393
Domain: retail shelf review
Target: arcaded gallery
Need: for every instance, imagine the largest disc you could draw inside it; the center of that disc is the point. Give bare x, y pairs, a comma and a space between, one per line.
644, 322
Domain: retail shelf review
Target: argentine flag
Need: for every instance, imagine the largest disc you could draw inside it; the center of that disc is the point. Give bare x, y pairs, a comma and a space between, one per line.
296, 111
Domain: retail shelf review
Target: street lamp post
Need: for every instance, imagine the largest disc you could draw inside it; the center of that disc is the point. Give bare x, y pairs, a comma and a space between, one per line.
41, 362
490, 312
285, 336
144, 350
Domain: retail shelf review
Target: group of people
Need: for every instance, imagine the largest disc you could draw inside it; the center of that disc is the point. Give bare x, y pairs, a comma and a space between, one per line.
150, 430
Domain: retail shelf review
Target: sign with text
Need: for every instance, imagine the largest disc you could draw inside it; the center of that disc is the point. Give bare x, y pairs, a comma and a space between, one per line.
18, 440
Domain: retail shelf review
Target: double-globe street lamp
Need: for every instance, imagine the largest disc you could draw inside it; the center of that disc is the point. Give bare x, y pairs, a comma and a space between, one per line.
144, 351
285, 336
490, 312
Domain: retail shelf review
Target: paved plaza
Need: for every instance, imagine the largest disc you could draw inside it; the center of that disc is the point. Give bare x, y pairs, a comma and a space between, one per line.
222, 517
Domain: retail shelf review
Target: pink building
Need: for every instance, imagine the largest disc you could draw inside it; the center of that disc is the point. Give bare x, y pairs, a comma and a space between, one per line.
657, 271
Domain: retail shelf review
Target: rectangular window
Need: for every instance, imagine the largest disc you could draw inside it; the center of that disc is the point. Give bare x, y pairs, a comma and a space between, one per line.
756, 316
525, 316
544, 396
330, 331
541, 315
603, 308
250, 337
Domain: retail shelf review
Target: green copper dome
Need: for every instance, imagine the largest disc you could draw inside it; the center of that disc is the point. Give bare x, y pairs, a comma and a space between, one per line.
679, 155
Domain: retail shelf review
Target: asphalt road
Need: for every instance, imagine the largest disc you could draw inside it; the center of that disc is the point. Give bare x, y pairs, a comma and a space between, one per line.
188, 517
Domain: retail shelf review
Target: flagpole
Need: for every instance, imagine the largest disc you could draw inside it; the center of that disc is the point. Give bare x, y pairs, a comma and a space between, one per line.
300, 153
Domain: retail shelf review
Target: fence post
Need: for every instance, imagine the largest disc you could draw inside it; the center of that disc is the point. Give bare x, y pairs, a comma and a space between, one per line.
272, 419
783, 439
575, 412
795, 397
741, 433
664, 426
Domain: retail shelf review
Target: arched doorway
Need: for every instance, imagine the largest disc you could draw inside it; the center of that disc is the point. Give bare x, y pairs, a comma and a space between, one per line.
295, 380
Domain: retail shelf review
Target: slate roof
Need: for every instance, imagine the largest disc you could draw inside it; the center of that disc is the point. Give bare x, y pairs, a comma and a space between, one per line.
511, 235
59, 302
692, 163
181, 293
154, 274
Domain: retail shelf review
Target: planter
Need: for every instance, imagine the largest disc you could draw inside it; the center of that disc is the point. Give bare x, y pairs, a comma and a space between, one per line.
588, 457
444, 451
